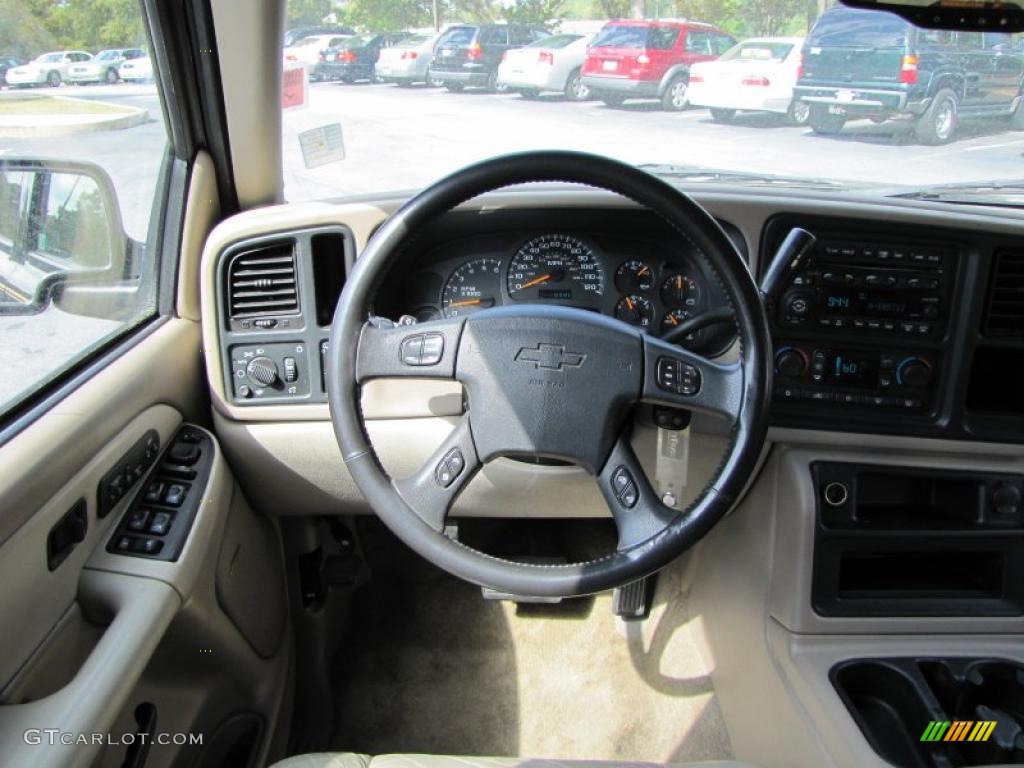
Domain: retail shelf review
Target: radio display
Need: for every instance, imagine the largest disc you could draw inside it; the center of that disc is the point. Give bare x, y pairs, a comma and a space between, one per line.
853, 370
851, 301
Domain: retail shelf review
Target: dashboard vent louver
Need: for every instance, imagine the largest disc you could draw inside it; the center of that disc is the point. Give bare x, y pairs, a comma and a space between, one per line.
262, 281
1004, 315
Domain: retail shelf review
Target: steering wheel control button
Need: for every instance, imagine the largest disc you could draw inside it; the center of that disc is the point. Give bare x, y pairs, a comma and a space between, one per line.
422, 349
433, 349
624, 488
449, 468
677, 376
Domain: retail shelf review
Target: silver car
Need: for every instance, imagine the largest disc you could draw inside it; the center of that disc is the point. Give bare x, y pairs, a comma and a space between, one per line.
407, 61
551, 64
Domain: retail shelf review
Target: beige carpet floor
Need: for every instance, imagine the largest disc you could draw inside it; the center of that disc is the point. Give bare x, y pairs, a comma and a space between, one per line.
428, 666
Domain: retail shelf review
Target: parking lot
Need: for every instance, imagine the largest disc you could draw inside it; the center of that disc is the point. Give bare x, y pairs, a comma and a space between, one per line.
402, 138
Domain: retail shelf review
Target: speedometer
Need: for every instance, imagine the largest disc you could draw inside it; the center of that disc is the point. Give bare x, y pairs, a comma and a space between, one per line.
555, 267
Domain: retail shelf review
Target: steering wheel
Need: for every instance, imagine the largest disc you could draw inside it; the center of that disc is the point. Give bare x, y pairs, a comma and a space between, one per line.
549, 381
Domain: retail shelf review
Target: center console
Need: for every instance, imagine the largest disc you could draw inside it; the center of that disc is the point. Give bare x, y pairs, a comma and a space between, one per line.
862, 327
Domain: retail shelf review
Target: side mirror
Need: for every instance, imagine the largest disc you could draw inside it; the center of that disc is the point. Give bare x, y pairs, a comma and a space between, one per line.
60, 225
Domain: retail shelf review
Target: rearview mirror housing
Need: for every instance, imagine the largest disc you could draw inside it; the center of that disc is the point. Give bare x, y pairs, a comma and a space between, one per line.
968, 15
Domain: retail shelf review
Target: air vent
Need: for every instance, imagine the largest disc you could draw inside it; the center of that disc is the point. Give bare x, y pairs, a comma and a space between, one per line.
262, 282
1004, 315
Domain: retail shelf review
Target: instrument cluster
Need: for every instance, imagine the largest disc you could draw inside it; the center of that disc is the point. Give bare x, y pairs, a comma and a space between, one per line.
651, 284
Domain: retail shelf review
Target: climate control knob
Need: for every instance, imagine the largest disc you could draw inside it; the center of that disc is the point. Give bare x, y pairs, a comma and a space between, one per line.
913, 372
790, 362
262, 370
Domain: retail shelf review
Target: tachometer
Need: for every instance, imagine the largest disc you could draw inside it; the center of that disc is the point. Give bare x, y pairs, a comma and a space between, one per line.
555, 267
472, 286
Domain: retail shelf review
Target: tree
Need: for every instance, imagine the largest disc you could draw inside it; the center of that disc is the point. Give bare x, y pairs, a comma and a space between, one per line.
615, 9
387, 15
307, 12
534, 11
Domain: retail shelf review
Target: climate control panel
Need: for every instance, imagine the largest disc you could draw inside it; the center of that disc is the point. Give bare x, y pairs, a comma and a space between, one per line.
896, 378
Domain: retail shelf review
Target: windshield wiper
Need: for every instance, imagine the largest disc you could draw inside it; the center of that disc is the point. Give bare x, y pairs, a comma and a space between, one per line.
699, 173
1009, 193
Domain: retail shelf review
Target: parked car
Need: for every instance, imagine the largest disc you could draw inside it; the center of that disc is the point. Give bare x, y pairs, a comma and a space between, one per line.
756, 75
649, 59
870, 64
292, 36
8, 61
467, 56
307, 50
138, 70
408, 60
354, 58
104, 66
552, 64
47, 69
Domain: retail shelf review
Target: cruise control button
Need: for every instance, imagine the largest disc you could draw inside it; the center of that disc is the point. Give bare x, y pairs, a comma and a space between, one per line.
624, 488
412, 350
449, 468
432, 348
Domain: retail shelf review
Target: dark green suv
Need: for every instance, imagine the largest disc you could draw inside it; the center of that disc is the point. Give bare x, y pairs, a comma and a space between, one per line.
871, 64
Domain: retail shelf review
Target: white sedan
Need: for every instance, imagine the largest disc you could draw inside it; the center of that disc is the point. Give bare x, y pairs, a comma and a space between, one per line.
48, 69
756, 75
407, 61
550, 64
138, 70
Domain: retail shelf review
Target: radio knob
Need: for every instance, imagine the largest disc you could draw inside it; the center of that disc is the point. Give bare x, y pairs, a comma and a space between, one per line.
798, 304
262, 370
913, 372
791, 362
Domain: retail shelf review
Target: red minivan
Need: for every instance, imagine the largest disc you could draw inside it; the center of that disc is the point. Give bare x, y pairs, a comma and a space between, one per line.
650, 59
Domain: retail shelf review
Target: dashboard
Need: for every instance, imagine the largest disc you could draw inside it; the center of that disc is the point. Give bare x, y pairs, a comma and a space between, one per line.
907, 328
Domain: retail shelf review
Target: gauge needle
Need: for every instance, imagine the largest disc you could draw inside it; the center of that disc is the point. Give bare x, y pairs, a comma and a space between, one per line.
679, 282
535, 281
466, 303
643, 271
672, 319
629, 304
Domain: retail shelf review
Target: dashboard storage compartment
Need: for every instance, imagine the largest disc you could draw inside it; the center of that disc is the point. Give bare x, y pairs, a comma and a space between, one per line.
934, 713
901, 541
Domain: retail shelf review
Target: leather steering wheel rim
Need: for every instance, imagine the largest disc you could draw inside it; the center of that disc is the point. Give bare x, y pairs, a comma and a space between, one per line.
351, 358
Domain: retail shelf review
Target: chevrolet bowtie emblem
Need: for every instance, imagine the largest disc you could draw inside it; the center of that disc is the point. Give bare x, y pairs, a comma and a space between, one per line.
552, 357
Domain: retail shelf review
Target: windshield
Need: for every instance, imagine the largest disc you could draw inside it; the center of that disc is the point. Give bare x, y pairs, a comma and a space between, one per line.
555, 41
860, 29
758, 51
107, 55
413, 41
852, 101
47, 58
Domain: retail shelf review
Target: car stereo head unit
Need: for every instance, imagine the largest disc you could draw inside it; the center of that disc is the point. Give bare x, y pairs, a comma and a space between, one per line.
872, 288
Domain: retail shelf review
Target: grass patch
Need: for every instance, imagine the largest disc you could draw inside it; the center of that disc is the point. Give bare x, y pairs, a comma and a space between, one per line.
31, 104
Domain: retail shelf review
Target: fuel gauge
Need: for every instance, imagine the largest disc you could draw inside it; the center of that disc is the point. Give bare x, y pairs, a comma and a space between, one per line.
680, 290
635, 310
